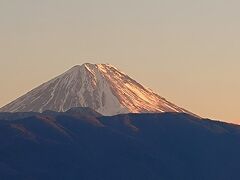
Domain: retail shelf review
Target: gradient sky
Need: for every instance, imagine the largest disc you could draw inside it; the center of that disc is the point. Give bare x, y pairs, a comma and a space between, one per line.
187, 51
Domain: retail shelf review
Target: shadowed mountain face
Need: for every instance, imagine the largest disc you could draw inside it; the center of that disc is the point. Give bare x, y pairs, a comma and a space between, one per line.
101, 87
88, 146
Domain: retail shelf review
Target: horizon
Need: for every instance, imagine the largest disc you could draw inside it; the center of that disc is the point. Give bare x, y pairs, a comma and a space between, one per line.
185, 51
85, 63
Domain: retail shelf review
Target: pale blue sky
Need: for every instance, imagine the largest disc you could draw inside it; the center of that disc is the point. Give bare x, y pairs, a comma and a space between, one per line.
187, 51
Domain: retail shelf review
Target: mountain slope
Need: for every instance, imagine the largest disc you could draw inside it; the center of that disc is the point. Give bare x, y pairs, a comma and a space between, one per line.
169, 146
101, 87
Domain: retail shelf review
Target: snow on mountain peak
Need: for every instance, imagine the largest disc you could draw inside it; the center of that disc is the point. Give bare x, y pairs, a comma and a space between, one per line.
101, 87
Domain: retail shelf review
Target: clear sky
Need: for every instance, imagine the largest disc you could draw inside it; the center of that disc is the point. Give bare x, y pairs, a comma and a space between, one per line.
187, 51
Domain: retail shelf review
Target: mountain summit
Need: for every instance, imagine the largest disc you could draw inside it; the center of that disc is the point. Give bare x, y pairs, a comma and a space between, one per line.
101, 87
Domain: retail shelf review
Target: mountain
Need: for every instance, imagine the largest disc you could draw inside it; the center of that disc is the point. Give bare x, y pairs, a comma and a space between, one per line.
101, 87
80, 145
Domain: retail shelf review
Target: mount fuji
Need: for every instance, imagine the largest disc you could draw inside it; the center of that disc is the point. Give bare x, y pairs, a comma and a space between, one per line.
101, 87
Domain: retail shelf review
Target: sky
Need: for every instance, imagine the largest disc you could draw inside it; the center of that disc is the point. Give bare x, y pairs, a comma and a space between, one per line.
187, 51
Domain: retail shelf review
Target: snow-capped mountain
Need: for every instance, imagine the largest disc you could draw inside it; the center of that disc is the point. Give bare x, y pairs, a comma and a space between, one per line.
101, 87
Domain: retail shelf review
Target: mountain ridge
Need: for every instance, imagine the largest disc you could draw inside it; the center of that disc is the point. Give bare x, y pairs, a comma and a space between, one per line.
170, 146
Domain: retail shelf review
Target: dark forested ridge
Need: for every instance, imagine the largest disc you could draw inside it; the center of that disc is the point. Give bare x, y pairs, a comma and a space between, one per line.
81, 144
